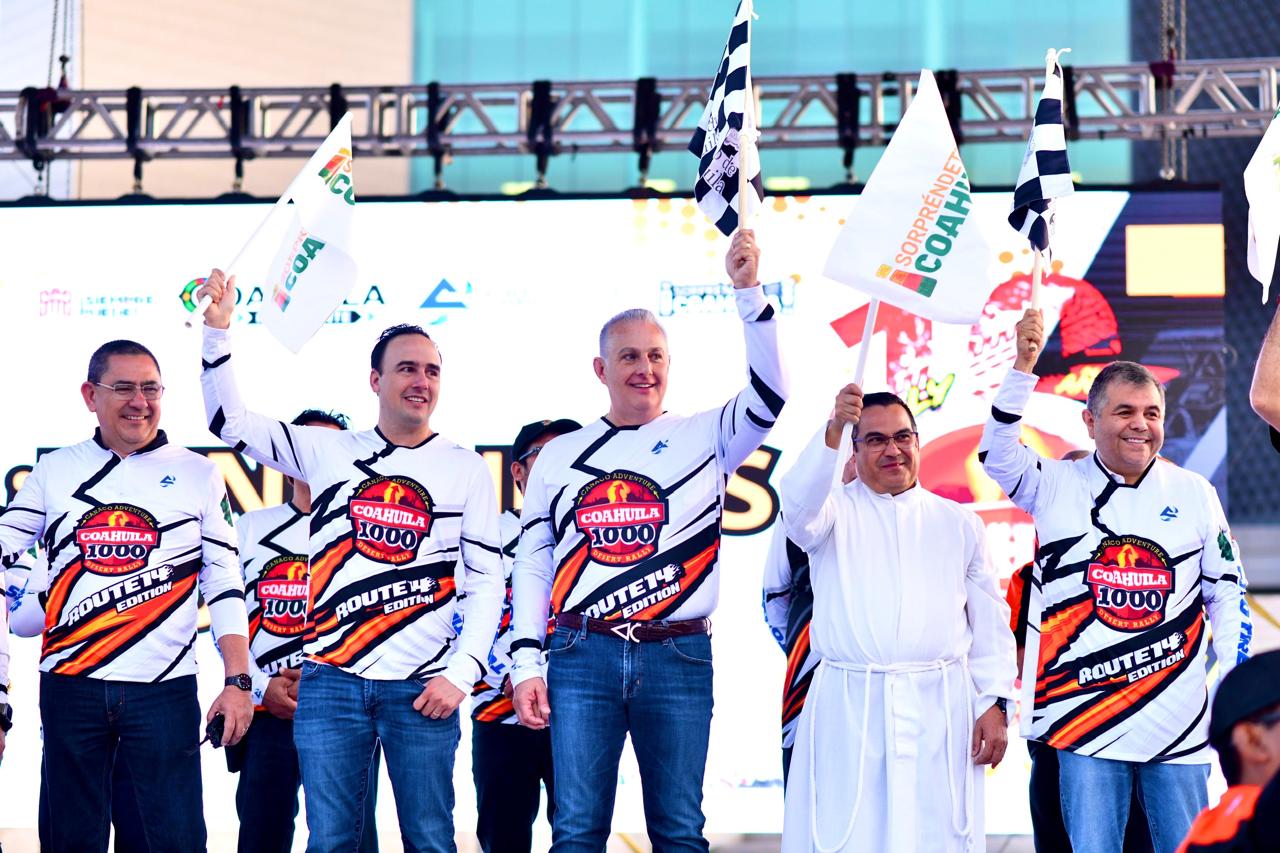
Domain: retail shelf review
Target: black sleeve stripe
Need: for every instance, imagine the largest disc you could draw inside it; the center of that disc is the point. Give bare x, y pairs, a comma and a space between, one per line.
759, 421
218, 422
766, 314
525, 644
293, 451
226, 545
480, 544
217, 362
229, 594
982, 456
240, 447
1004, 417
770, 397
483, 669
1015, 488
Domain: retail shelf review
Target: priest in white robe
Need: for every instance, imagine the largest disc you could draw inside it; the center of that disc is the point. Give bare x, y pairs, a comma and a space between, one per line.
918, 661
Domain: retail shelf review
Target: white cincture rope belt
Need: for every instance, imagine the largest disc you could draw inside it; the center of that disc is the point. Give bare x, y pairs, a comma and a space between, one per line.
892, 671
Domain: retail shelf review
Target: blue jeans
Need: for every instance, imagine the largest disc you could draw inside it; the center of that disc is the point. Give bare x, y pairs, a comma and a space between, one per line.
1096, 794
340, 719
602, 687
89, 724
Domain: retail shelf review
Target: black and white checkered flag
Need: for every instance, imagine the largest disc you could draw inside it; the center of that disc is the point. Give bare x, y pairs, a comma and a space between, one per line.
727, 125
1045, 173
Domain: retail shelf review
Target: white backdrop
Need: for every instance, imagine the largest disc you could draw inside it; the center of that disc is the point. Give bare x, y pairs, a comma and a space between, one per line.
515, 292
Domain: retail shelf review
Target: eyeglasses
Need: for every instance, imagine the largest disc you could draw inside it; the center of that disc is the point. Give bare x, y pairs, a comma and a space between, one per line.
127, 390
529, 454
877, 441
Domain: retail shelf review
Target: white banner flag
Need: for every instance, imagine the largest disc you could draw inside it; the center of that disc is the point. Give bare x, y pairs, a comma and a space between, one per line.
1262, 188
313, 270
911, 240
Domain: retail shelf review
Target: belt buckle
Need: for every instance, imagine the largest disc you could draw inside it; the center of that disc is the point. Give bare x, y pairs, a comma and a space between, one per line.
625, 631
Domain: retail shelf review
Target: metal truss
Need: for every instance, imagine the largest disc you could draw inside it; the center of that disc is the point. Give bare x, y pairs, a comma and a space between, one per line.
1194, 99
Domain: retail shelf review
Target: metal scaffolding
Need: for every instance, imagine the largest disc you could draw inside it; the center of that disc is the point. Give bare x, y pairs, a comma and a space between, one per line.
1192, 99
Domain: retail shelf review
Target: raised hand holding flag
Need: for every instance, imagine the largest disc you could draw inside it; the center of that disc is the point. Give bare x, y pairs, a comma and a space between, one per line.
1262, 188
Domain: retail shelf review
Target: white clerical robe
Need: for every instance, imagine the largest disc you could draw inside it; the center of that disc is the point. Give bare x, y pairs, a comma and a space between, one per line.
915, 644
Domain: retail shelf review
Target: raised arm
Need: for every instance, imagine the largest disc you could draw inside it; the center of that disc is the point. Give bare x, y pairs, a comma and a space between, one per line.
1264, 394
745, 420
287, 448
808, 510
1016, 468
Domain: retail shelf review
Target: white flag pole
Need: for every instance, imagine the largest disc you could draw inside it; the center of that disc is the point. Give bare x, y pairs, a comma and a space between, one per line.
205, 301
1037, 278
846, 433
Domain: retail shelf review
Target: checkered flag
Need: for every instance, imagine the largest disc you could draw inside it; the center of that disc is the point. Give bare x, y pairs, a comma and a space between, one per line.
1045, 173
726, 134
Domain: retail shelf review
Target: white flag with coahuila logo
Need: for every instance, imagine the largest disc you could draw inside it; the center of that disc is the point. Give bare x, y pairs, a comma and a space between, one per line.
1262, 188
911, 240
313, 270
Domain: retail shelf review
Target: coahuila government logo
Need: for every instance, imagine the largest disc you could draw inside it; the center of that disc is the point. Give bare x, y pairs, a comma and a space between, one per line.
621, 514
337, 175
944, 207
390, 516
116, 538
305, 249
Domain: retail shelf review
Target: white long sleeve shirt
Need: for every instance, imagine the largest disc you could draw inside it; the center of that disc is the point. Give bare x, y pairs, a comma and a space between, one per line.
1116, 652
388, 526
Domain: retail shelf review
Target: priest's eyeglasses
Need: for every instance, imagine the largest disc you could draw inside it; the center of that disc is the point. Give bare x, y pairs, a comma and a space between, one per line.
127, 390
877, 442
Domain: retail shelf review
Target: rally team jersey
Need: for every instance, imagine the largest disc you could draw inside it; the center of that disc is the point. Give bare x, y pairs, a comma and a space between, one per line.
273, 555
389, 525
1116, 658
128, 541
788, 610
488, 703
623, 522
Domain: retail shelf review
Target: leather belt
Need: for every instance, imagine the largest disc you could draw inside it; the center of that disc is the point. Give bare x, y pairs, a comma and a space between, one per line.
634, 632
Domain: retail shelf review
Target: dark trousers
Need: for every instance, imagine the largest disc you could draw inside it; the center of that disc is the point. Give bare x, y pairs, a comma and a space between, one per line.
510, 764
153, 728
1050, 833
267, 793
125, 819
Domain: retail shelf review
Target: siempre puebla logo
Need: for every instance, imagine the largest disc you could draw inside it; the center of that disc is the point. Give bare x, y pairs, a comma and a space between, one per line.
621, 514
390, 516
116, 538
944, 207
1131, 582
282, 592
337, 175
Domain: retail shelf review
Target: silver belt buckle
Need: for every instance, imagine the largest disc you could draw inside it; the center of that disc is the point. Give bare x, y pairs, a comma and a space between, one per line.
625, 631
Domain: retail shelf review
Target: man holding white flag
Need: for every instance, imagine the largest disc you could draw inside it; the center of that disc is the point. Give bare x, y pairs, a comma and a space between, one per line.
1262, 188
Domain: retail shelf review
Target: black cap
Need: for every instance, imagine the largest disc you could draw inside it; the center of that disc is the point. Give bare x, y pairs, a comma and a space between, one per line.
1251, 687
529, 433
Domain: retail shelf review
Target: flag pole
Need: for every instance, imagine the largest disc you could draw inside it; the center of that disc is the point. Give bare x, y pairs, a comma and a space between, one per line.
1037, 278
846, 433
205, 301
748, 109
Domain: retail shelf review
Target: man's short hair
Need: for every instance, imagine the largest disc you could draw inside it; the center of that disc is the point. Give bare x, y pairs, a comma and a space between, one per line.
1120, 371
319, 417
388, 335
98, 361
884, 398
631, 315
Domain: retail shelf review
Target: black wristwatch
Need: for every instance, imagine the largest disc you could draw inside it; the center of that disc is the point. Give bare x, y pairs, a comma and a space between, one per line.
243, 681
6, 717
1003, 705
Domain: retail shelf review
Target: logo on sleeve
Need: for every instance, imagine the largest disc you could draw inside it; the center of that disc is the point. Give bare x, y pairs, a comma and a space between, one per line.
282, 593
390, 516
621, 514
116, 539
1131, 582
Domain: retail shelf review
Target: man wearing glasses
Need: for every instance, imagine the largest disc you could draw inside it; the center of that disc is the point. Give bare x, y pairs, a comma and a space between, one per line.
917, 659
132, 526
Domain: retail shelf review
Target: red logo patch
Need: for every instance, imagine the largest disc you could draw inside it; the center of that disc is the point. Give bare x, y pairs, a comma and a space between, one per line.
116, 539
390, 516
1131, 581
621, 514
282, 592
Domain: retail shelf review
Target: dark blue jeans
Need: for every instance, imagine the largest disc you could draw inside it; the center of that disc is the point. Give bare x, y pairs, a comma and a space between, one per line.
340, 719
267, 793
153, 728
601, 688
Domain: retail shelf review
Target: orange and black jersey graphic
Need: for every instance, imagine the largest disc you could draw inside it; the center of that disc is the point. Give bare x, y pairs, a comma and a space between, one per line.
623, 522
1125, 576
388, 527
1245, 820
788, 610
488, 703
273, 556
129, 542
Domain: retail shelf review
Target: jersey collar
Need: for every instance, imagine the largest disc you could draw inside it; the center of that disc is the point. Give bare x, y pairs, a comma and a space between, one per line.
155, 444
